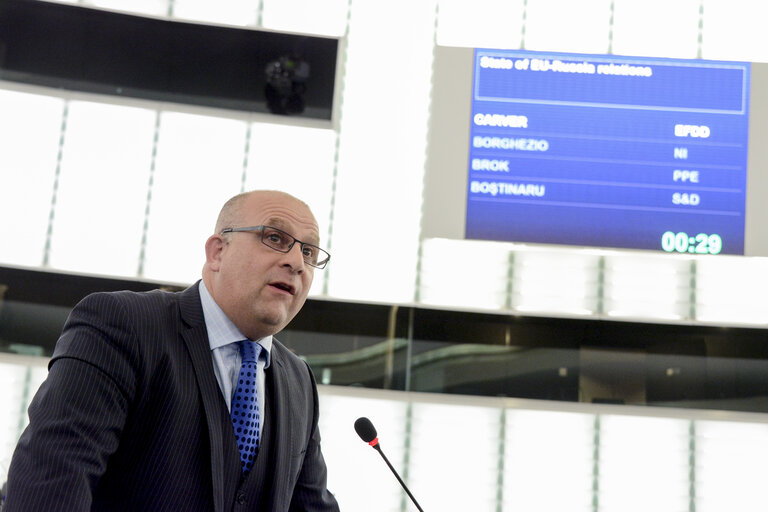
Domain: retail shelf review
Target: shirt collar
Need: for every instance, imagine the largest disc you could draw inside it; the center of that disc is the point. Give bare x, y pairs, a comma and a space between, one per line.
221, 330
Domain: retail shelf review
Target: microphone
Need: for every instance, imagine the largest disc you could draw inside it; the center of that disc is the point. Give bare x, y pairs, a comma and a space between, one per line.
367, 433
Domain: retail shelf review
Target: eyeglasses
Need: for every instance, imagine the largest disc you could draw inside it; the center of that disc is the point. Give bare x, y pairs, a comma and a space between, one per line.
281, 241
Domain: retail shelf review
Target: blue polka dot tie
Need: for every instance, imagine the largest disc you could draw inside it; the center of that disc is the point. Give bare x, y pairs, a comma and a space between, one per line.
245, 407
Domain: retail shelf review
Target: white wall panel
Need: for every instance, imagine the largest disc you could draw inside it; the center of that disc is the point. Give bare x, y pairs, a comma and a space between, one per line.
568, 26
199, 166
145, 7
734, 30
30, 131
478, 273
647, 286
656, 28
480, 23
227, 12
454, 457
383, 134
643, 464
555, 280
320, 17
103, 182
731, 460
548, 459
731, 289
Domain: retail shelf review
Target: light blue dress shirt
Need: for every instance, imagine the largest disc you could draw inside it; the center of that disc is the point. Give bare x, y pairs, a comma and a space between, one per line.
223, 336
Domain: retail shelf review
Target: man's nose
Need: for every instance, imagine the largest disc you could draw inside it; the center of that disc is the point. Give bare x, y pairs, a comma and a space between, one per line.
295, 258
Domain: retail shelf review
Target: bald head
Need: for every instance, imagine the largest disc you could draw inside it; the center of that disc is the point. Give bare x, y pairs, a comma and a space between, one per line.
232, 211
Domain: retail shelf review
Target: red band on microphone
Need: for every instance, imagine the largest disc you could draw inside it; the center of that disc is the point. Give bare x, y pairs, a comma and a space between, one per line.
374, 442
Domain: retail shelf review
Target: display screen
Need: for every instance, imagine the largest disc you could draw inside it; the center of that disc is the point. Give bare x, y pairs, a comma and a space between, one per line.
608, 151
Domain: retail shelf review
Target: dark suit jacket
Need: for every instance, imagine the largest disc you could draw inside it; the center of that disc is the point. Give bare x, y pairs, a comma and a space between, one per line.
131, 417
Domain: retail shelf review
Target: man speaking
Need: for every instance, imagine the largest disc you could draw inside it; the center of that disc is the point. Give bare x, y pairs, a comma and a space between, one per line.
184, 401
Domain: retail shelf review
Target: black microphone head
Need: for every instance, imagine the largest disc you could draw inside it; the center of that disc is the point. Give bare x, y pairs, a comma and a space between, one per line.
365, 429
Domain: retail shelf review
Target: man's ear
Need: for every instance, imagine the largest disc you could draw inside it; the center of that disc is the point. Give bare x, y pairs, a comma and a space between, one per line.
214, 246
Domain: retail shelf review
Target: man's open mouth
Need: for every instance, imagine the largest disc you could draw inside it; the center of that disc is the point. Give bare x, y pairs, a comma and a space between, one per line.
285, 287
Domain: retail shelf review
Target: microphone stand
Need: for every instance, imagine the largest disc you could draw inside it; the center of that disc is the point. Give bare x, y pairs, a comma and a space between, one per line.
378, 449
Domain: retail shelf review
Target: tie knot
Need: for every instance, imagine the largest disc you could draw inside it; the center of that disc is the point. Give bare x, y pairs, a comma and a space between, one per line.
249, 351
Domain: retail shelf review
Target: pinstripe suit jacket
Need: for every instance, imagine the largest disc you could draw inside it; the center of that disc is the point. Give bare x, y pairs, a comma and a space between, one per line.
131, 417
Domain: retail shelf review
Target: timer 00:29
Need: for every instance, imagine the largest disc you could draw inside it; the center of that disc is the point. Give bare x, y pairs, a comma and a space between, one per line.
699, 244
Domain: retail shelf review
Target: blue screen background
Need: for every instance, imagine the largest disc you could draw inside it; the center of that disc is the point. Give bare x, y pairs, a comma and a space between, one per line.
614, 172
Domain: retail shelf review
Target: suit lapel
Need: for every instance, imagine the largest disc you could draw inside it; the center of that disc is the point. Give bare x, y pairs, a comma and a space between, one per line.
195, 337
283, 435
